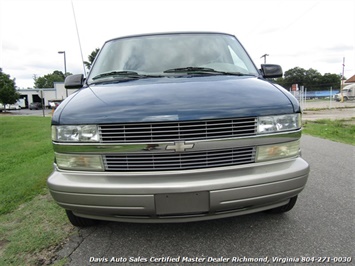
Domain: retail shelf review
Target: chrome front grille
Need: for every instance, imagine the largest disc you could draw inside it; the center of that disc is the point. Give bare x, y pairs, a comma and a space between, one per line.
174, 131
179, 161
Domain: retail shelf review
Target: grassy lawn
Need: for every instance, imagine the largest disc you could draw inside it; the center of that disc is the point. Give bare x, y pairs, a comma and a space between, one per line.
336, 130
30, 221
26, 159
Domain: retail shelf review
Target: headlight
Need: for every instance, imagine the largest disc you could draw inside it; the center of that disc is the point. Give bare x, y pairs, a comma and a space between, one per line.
277, 151
79, 162
83, 133
270, 124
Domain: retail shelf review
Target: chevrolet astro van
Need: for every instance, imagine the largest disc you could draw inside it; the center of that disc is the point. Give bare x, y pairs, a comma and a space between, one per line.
176, 127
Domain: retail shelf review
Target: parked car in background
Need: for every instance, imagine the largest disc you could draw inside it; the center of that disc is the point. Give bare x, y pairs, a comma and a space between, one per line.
35, 106
14, 106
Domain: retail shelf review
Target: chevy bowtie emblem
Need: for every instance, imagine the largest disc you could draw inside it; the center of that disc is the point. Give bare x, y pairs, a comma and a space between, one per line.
180, 146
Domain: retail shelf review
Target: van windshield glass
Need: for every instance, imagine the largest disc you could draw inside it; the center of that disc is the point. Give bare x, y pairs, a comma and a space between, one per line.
159, 55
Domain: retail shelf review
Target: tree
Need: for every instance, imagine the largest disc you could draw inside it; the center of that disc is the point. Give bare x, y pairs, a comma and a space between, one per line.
91, 58
310, 79
47, 81
294, 76
8, 93
330, 80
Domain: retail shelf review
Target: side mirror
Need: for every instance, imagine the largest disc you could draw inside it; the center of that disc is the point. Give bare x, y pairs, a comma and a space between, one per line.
74, 81
271, 71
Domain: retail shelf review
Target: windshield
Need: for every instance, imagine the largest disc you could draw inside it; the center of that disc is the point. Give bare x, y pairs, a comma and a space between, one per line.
170, 55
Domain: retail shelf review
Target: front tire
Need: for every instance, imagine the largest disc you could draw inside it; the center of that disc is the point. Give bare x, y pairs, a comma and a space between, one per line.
284, 208
80, 221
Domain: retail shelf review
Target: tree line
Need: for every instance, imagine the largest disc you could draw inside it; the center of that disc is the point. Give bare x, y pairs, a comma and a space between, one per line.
310, 79
8, 93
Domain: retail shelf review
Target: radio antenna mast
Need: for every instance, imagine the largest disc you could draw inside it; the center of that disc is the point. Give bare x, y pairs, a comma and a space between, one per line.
77, 33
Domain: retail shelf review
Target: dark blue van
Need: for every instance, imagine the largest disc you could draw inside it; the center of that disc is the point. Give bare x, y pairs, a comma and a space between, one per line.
176, 127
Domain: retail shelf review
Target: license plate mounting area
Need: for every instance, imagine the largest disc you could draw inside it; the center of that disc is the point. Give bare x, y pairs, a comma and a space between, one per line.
182, 203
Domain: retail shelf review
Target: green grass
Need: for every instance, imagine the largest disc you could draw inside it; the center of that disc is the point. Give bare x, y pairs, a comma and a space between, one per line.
337, 130
31, 234
30, 221
26, 159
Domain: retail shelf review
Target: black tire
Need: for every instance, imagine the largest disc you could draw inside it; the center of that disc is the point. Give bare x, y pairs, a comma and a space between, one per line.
284, 208
80, 221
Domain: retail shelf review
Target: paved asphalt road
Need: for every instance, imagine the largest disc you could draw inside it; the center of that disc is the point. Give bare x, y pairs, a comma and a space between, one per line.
321, 225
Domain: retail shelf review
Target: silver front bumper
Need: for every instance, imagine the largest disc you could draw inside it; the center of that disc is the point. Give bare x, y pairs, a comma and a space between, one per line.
175, 196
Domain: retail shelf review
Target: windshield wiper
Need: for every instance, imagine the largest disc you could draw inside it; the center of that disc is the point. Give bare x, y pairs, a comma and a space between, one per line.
124, 73
203, 70
116, 73
189, 69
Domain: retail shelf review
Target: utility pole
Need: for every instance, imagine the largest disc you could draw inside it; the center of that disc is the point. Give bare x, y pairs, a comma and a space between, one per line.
342, 81
265, 55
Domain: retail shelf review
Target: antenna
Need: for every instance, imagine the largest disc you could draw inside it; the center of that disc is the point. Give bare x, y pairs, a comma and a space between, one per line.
77, 32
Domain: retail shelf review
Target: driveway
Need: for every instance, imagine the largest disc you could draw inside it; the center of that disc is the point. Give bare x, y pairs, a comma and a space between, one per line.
28, 112
328, 110
319, 228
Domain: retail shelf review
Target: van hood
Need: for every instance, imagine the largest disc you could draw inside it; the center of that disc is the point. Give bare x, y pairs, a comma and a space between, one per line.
168, 99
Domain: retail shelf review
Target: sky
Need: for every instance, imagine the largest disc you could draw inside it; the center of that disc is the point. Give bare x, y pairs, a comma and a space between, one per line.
294, 33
